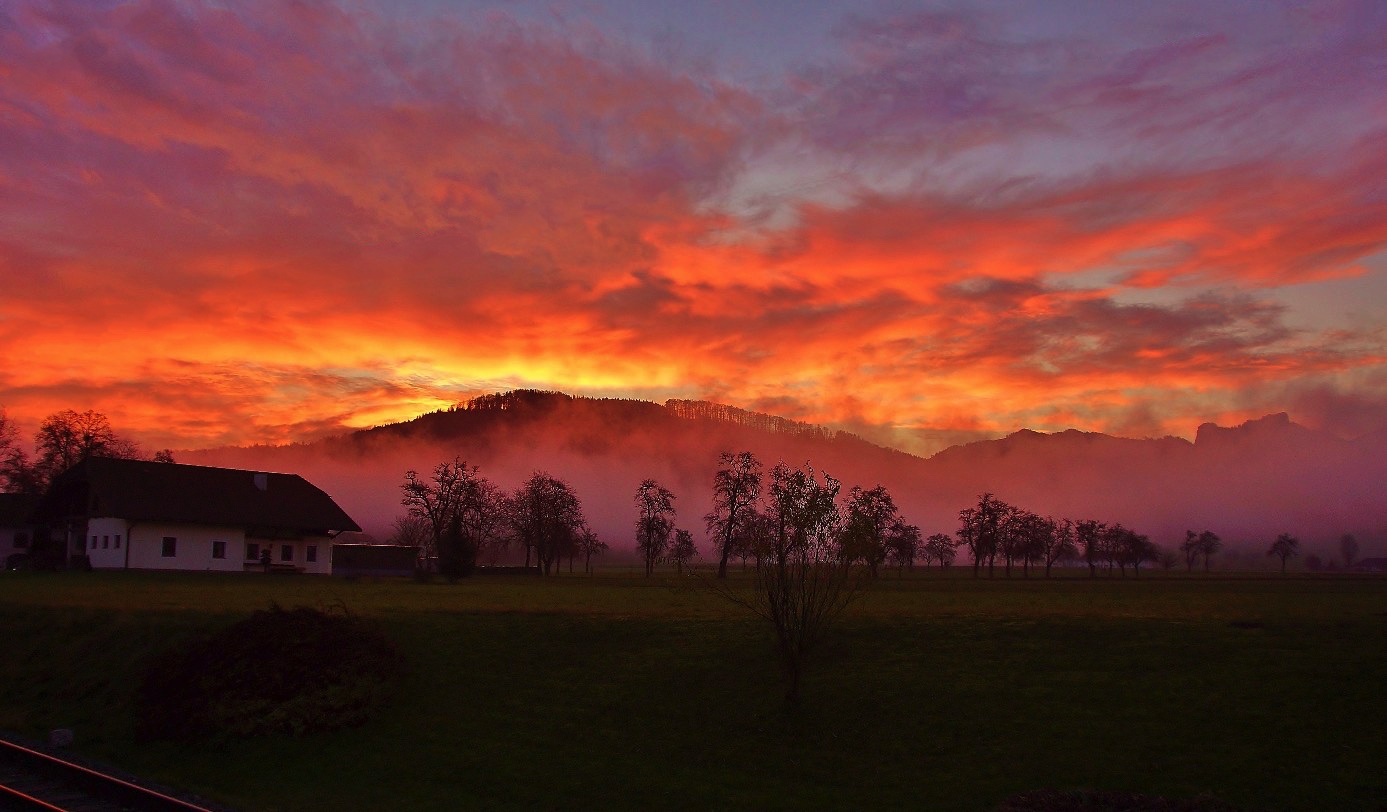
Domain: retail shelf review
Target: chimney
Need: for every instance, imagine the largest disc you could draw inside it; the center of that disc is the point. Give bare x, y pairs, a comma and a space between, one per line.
262, 482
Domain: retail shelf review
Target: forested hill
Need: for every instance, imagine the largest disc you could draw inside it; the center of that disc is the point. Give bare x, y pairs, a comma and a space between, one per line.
604, 447
1247, 483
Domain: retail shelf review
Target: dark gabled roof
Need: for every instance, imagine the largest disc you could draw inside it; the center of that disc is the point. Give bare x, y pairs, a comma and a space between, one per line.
15, 509
138, 490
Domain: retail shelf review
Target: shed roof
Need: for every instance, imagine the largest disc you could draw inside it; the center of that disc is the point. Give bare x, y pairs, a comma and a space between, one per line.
139, 490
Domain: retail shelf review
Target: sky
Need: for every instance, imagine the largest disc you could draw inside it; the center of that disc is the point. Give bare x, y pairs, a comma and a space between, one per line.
926, 222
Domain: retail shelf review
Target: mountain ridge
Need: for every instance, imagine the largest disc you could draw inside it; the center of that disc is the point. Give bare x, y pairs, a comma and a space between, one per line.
1247, 482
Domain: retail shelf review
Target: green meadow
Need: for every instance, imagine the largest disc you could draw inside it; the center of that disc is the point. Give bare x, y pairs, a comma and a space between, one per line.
937, 691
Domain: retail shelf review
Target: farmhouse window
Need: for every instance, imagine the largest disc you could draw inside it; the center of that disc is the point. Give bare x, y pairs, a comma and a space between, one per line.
286, 552
219, 549
170, 548
252, 551
116, 538
310, 553
105, 542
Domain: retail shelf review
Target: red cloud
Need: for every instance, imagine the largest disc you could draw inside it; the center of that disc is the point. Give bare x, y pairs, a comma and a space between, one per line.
233, 225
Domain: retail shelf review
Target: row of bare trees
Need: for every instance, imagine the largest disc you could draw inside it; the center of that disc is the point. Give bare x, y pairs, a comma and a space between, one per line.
868, 528
456, 515
993, 529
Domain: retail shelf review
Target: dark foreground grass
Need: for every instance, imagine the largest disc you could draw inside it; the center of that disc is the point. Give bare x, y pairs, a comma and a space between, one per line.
615, 692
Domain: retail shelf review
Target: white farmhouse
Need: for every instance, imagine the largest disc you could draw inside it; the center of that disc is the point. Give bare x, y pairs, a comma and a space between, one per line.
135, 514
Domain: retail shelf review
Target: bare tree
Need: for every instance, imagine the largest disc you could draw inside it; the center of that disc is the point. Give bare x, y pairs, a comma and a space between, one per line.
1060, 544
804, 582
903, 543
941, 548
1089, 534
1189, 548
17, 474
1209, 543
980, 530
66, 438
413, 531
1286, 546
1348, 548
591, 546
736, 488
545, 516
683, 550
655, 522
462, 511
1131, 547
869, 517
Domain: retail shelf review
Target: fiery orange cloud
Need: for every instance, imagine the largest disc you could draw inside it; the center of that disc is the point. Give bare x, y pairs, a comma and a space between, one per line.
261, 223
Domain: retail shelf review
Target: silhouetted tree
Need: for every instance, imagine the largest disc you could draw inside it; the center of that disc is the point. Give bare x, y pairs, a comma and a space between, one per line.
1190, 548
1032, 537
545, 516
66, 438
1209, 543
463, 512
1286, 546
1348, 549
164, 455
17, 474
591, 546
804, 583
1060, 543
1011, 536
869, 517
942, 548
1131, 547
980, 530
903, 544
754, 537
412, 531
683, 550
736, 488
654, 522
1090, 535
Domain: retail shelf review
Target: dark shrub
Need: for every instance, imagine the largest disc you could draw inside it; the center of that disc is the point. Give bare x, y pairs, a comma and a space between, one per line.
279, 671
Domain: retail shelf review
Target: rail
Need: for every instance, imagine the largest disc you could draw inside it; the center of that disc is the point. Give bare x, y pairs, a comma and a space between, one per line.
31, 779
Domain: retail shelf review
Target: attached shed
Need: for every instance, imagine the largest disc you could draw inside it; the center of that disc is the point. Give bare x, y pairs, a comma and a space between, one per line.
136, 514
16, 530
373, 560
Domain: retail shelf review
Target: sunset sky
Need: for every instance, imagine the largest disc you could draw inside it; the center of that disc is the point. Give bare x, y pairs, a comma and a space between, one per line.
926, 222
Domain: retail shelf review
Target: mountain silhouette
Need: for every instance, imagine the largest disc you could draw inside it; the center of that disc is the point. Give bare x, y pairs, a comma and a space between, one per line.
1247, 483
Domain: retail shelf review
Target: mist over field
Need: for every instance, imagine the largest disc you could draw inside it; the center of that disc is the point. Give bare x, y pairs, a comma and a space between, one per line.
1248, 483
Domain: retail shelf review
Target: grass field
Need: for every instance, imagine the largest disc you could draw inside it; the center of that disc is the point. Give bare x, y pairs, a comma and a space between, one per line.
937, 692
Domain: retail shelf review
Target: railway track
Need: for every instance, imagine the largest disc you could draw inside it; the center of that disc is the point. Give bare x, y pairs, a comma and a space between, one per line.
31, 779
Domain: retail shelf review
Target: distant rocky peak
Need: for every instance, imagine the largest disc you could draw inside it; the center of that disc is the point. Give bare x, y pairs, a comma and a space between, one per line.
1272, 428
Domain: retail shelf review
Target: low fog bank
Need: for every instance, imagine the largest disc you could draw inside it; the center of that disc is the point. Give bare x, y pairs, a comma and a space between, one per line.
1247, 484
